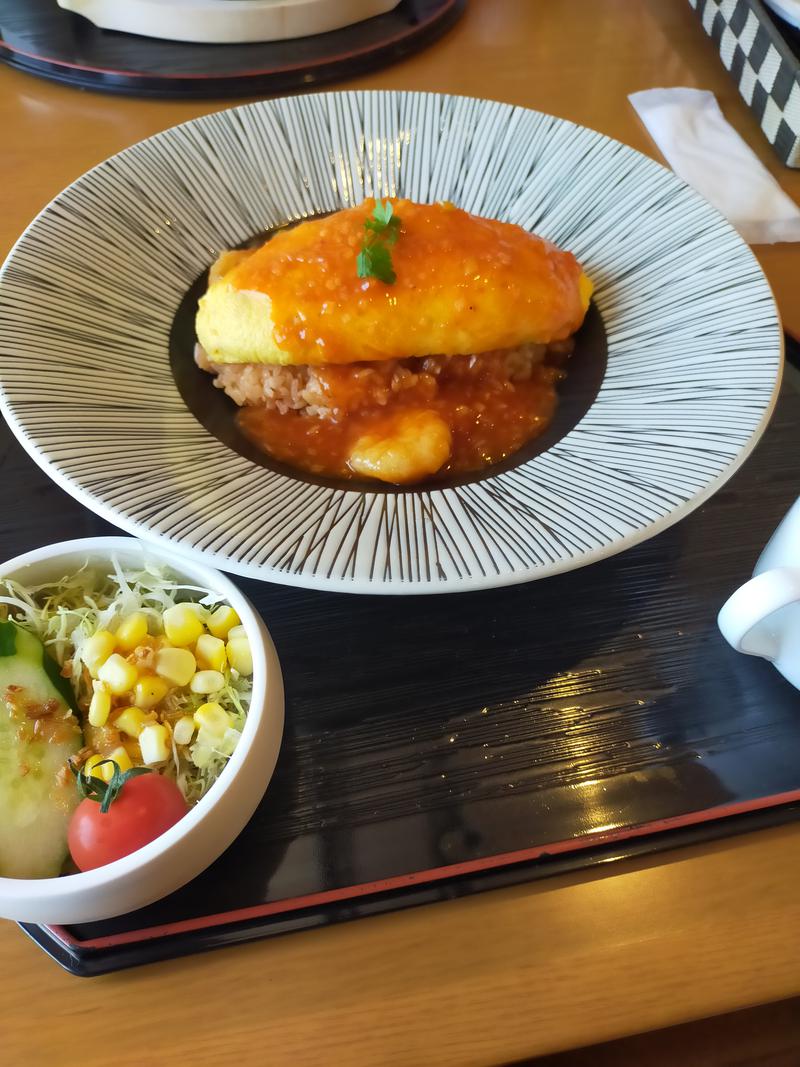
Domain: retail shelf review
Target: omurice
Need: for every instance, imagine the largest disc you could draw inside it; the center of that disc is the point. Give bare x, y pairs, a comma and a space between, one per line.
393, 340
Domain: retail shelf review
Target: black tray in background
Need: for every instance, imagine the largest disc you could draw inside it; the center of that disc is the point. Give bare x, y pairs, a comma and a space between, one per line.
38, 37
439, 745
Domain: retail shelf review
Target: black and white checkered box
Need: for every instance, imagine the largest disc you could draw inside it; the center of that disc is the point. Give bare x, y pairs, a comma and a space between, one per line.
762, 64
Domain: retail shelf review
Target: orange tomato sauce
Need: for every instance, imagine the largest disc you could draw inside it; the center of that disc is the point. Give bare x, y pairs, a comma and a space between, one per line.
464, 284
490, 417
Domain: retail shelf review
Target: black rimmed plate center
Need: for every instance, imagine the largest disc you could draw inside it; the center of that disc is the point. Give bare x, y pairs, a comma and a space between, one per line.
217, 412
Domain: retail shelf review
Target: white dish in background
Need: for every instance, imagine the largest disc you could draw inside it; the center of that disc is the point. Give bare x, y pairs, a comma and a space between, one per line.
89, 296
215, 821
226, 21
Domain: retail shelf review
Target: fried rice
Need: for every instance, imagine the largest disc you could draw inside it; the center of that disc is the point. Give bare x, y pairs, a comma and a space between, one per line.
332, 391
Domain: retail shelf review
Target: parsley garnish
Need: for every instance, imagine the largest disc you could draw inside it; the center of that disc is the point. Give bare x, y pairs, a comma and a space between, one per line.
382, 230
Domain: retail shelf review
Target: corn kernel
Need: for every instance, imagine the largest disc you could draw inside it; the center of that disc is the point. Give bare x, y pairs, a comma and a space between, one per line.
200, 610
88, 769
222, 620
205, 682
183, 730
131, 721
154, 743
236, 631
105, 772
181, 625
176, 665
119, 675
100, 705
149, 690
239, 655
131, 631
122, 760
97, 649
212, 719
210, 653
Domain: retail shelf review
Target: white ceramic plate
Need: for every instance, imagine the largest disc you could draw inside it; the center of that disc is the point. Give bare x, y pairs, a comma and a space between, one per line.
90, 294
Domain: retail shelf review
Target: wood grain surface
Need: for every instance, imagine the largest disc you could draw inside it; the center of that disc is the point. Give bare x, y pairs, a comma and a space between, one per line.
768, 1036
487, 980
502, 976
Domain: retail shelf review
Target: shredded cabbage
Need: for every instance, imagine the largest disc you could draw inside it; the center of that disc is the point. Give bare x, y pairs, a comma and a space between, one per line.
63, 614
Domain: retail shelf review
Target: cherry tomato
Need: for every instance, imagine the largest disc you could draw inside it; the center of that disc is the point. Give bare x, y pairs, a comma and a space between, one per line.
145, 807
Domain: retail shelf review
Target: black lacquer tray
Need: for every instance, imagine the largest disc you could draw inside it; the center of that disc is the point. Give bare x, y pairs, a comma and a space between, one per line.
441, 745
38, 37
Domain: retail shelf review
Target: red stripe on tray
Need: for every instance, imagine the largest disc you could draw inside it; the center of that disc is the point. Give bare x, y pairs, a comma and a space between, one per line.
435, 874
413, 31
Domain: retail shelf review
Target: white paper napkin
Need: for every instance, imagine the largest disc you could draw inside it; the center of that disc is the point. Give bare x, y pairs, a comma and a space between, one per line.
705, 150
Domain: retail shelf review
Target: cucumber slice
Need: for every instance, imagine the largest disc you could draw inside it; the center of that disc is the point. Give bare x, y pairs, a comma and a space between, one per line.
38, 733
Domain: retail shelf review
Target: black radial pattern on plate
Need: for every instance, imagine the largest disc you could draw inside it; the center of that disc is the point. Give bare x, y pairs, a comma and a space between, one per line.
91, 290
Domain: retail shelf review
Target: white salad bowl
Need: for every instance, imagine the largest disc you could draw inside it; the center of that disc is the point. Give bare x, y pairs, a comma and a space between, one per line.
207, 829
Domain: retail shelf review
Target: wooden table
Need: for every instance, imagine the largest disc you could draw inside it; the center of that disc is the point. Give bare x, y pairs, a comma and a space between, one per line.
502, 975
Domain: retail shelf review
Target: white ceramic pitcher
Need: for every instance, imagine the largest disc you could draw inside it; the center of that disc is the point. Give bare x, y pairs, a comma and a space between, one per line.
762, 618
